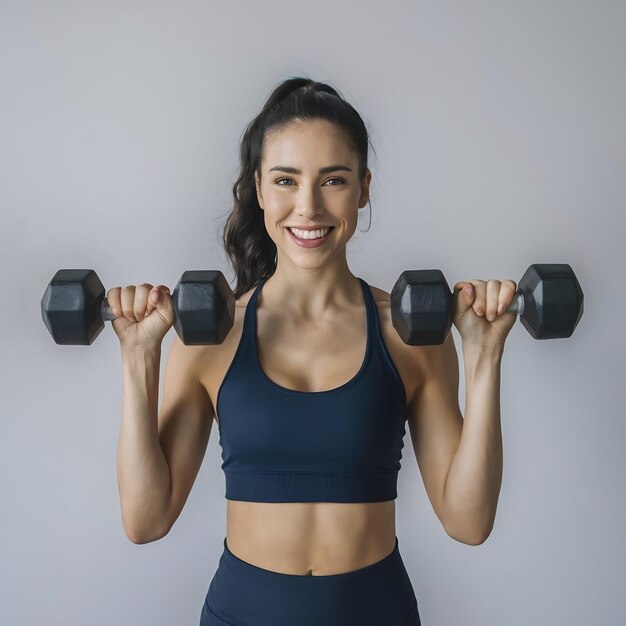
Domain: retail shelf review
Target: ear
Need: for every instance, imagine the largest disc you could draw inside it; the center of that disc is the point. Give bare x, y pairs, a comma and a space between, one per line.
258, 190
365, 189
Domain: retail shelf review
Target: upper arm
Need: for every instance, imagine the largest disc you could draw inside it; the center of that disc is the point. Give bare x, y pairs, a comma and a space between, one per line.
435, 419
184, 423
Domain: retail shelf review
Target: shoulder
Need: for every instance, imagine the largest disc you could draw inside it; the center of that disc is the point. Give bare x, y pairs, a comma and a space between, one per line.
213, 353
423, 360
409, 360
244, 298
381, 297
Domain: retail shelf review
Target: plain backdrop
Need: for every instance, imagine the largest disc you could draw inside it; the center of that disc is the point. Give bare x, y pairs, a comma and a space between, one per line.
500, 134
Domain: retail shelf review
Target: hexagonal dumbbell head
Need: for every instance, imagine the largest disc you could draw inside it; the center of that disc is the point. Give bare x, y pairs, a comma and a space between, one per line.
71, 307
421, 307
205, 307
553, 300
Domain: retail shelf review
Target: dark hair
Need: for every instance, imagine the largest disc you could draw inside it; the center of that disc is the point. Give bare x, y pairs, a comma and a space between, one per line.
250, 249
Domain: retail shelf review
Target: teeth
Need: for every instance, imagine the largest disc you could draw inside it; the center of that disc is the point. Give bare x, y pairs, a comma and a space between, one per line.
310, 234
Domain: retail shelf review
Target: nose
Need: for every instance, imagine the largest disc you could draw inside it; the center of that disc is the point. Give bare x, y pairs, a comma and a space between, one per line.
308, 204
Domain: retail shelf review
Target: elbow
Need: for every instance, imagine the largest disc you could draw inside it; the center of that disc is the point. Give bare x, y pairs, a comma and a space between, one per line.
472, 530
470, 539
478, 540
144, 528
139, 538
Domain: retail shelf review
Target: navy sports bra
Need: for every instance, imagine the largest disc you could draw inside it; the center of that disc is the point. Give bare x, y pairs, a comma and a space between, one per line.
339, 445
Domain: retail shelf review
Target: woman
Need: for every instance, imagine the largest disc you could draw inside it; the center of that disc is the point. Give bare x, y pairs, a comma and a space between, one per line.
311, 391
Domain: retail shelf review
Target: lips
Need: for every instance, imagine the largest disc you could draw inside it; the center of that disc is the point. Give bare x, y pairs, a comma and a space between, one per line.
324, 229
310, 243
310, 227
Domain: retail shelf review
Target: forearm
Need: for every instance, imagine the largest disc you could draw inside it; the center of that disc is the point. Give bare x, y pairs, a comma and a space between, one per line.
473, 484
142, 470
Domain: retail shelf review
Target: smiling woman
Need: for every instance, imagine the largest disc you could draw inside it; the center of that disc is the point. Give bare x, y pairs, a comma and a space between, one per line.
320, 206
310, 405
319, 129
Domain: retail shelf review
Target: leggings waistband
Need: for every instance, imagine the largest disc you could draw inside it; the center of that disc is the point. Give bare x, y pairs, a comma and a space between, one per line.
373, 570
379, 594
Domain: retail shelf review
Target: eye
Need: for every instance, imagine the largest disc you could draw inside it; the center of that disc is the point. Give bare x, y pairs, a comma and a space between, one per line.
279, 180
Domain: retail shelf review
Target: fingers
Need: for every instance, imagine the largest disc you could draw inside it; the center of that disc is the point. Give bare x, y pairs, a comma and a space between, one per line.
151, 303
131, 301
113, 298
127, 298
140, 303
480, 297
507, 293
492, 297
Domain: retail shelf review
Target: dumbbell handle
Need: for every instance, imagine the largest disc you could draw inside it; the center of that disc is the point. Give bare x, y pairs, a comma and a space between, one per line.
517, 305
107, 312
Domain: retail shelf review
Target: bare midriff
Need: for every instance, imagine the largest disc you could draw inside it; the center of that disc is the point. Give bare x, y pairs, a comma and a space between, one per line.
310, 538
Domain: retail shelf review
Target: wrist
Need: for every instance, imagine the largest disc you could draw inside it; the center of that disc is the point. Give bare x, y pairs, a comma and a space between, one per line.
481, 356
485, 349
482, 369
146, 352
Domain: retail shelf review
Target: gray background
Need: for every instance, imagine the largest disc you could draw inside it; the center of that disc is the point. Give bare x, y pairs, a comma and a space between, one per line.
500, 134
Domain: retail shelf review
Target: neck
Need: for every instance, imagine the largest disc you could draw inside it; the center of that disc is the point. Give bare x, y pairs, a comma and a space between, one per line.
311, 292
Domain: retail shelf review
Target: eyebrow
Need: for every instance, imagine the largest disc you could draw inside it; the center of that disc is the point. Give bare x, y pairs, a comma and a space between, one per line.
322, 170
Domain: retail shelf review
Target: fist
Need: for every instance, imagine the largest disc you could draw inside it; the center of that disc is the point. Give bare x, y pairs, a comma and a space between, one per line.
479, 311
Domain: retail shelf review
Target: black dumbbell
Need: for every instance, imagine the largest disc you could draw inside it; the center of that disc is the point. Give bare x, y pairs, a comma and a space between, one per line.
74, 307
549, 301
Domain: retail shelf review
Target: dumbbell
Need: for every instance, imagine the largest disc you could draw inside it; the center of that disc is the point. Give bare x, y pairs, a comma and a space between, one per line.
74, 307
549, 301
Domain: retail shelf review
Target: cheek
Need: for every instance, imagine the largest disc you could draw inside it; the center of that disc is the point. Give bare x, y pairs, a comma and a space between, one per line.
274, 217
276, 204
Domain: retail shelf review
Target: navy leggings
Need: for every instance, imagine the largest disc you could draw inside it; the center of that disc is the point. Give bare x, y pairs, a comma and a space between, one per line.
242, 594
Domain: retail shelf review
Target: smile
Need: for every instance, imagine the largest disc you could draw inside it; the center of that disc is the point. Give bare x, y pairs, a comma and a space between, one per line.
309, 238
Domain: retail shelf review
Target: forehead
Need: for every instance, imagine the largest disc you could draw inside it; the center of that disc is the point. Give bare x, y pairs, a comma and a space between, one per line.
306, 141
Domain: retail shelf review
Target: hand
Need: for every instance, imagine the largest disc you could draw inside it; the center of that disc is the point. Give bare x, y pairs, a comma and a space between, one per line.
478, 311
144, 314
